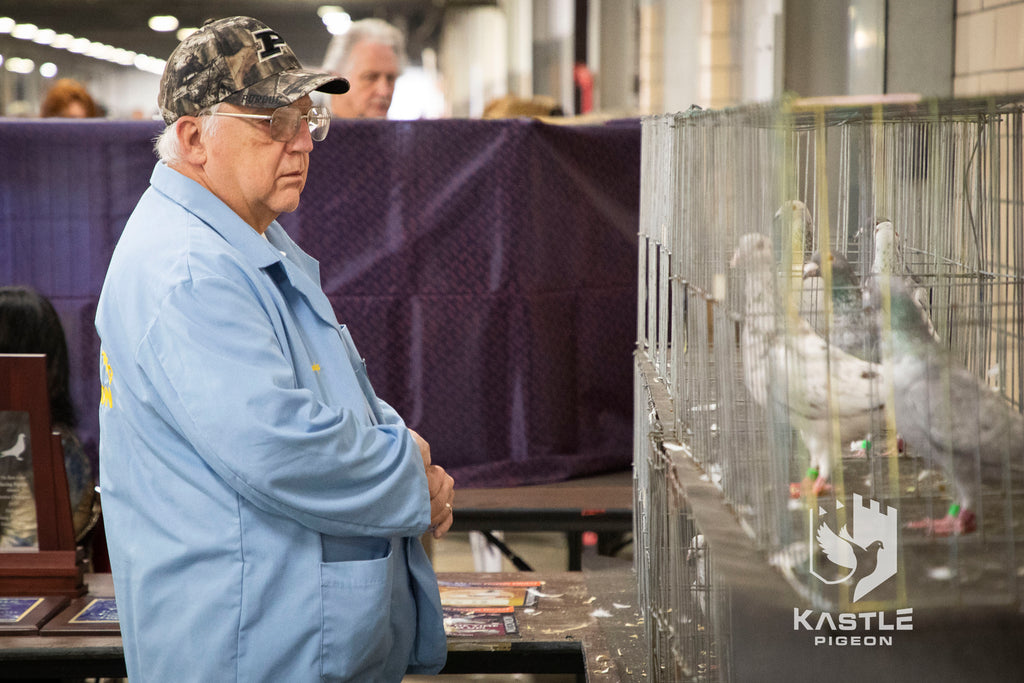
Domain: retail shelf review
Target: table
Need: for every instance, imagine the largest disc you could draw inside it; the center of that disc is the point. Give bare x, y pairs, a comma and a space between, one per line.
585, 623
65, 656
601, 503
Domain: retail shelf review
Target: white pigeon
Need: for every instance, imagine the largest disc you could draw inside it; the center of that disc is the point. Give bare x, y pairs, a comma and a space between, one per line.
796, 227
16, 450
830, 395
800, 229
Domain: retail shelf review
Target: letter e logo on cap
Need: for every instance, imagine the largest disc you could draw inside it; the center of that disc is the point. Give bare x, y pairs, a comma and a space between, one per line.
270, 42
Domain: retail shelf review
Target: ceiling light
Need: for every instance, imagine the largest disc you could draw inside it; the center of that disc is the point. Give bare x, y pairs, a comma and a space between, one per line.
82, 46
184, 33
163, 23
100, 51
335, 19
150, 64
19, 65
338, 24
79, 45
44, 36
24, 31
328, 9
123, 57
62, 41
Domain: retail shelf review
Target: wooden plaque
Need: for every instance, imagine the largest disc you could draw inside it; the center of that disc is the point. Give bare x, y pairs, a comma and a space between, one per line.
56, 568
85, 616
26, 614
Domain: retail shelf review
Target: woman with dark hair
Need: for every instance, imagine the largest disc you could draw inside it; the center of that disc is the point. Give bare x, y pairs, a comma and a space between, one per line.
30, 324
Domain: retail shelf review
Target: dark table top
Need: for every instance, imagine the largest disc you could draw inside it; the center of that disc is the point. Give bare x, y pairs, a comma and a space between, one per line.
583, 622
593, 504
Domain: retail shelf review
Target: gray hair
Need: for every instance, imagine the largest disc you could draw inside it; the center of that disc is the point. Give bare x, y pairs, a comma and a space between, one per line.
373, 30
168, 147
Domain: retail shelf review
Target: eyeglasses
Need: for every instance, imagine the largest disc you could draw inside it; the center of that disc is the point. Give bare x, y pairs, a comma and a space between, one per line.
284, 122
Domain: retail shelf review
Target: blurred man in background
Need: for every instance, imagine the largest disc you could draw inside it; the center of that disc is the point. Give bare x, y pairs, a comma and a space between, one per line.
371, 55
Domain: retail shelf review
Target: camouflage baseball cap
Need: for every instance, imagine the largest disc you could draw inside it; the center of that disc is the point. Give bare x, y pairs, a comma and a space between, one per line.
238, 60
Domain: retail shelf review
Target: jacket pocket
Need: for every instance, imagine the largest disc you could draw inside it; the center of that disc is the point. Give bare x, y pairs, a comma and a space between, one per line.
356, 634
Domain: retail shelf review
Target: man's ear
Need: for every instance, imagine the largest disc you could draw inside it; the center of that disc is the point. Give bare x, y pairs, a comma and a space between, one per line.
193, 146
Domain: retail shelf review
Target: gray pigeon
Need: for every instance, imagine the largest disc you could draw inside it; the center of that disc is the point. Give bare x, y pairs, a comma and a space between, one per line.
849, 327
830, 395
888, 260
947, 415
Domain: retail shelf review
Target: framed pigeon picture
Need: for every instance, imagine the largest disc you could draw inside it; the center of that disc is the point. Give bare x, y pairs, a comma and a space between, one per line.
32, 475
15, 474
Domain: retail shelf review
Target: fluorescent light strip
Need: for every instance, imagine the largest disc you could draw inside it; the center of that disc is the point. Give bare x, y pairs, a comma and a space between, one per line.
82, 46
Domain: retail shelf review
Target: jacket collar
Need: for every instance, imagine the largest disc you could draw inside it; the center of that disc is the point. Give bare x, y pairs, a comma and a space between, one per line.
277, 252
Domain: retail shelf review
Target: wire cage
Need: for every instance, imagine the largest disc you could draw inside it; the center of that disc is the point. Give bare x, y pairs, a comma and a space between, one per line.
789, 368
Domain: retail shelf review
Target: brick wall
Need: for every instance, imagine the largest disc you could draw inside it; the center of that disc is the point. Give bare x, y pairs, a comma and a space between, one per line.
989, 47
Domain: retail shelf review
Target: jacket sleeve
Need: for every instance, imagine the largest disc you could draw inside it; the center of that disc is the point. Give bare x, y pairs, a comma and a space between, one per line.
390, 415
224, 383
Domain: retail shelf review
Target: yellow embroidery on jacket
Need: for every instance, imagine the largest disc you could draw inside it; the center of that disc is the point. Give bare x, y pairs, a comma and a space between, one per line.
106, 383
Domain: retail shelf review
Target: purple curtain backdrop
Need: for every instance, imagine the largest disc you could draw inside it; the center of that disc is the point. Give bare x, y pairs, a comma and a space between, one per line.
487, 271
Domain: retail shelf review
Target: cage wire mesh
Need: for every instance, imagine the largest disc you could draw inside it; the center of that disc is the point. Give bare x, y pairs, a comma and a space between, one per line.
791, 391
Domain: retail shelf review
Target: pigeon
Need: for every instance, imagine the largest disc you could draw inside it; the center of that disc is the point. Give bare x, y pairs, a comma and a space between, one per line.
888, 260
948, 416
842, 550
850, 327
796, 229
16, 450
829, 394
800, 228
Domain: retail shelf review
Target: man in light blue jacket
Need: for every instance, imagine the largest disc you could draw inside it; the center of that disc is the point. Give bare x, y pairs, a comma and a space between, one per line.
263, 507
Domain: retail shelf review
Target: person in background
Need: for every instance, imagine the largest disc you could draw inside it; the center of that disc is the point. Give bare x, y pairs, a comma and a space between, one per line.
510, 107
371, 55
68, 99
263, 506
29, 324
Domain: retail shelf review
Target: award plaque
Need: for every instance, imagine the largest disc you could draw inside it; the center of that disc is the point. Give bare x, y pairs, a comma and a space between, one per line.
32, 467
24, 615
15, 471
85, 616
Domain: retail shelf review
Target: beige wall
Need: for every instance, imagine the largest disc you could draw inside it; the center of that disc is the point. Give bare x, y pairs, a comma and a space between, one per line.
720, 77
990, 61
989, 47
